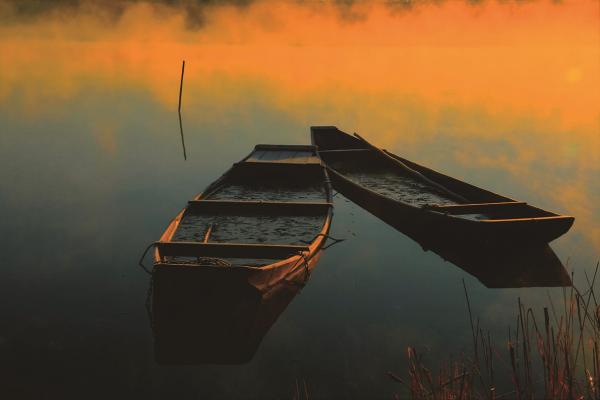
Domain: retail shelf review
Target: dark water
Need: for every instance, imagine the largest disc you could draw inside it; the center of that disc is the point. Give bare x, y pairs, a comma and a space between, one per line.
92, 172
76, 220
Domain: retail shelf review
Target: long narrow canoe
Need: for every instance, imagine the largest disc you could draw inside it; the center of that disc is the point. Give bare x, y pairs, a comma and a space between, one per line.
402, 192
265, 220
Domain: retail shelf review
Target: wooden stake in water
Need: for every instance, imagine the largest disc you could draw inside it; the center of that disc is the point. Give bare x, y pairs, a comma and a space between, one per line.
179, 110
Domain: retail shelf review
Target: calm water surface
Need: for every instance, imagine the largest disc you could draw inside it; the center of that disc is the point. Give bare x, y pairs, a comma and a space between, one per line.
502, 96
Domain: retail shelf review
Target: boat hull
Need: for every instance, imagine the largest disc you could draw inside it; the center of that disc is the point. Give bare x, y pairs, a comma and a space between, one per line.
422, 221
294, 270
522, 223
275, 233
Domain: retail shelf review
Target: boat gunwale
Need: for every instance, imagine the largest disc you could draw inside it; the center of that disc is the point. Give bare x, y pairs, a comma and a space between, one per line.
314, 247
431, 208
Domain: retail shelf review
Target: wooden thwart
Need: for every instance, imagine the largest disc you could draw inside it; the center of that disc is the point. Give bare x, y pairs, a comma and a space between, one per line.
292, 147
284, 154
267, 207
476, 207
531, 219
233, 250
345, 151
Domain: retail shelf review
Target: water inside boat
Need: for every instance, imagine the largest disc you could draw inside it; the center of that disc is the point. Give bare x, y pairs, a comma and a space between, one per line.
269, 192
367, 170
245, 207
400, 187
248, 228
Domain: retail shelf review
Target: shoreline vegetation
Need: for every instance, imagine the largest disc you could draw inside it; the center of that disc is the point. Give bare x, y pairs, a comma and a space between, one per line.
553, 355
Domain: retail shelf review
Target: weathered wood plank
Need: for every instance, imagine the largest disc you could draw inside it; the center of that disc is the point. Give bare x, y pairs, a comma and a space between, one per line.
259, 154
284, 155
293, 147
477, 207
266, 207
345, 151
233, 250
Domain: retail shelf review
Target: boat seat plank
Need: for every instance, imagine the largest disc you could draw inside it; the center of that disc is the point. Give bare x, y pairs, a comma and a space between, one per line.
278, 155
287, 147
345, 151
476, 207
259, 154
267, 207
233, 250
283, 156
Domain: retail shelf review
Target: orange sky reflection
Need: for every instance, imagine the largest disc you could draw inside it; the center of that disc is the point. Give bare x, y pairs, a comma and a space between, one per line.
398, 75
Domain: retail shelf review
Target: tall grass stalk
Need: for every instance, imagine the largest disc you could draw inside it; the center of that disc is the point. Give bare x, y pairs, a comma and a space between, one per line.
558, 358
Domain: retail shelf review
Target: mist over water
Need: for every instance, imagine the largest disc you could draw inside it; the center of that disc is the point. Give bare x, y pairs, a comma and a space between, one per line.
502, 95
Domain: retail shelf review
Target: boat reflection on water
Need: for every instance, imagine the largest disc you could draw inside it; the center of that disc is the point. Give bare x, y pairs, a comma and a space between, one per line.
231, 261
206, 316
502, 266
203, 316
501, 241
496, 265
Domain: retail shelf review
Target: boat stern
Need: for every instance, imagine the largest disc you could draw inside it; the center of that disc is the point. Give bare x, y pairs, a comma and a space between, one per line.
331, 138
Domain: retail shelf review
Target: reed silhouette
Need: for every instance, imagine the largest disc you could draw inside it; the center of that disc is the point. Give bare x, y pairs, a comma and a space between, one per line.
551, 357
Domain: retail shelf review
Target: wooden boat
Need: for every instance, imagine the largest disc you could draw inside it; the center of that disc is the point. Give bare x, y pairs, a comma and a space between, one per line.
403, 192
265, 220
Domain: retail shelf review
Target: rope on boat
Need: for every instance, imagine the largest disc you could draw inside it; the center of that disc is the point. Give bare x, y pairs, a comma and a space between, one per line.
327, 237
213, 262
306, 269
149, 292
141, 262
304, 258
148, 304
209, 261
335, 241
205, 261
291, 271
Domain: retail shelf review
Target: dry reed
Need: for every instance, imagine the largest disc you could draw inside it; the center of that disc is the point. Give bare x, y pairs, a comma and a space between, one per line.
555, 359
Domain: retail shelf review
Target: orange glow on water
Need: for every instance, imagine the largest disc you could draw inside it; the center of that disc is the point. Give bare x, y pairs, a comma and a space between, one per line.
538, 58
398, 75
